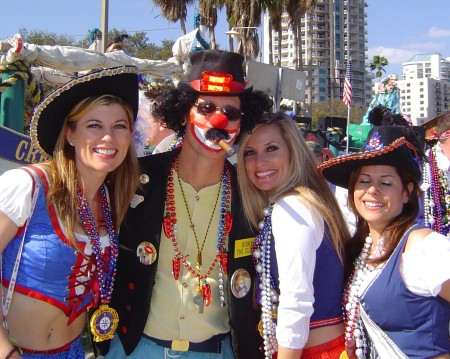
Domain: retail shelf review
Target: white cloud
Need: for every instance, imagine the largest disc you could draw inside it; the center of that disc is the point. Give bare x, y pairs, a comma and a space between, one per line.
393, 55
426, 46
435, 32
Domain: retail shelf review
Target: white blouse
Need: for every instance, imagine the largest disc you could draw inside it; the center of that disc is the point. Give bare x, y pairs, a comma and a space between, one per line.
15, 195
426, 265
298, 232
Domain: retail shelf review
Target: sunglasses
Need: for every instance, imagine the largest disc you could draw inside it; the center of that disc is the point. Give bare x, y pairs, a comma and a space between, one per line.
209, 108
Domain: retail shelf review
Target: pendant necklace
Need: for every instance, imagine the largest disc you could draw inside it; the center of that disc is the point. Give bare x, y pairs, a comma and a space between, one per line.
203, 296
104, 321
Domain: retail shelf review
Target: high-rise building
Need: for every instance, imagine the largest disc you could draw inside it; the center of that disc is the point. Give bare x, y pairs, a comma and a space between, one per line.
325, 38
425, 87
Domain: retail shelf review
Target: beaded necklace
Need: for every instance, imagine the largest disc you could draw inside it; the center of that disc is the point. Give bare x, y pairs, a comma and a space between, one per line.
267, 293
176, 142
355, 339
224, 227
436, 197
105, 264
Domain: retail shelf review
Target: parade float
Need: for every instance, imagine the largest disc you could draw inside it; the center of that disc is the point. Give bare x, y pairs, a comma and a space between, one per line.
54, 66
386, 94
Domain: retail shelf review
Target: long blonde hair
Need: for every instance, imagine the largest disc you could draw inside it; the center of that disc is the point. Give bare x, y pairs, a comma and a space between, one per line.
302, 180
63, 174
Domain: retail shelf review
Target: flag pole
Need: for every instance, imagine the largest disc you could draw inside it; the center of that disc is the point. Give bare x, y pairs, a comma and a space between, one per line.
347, 145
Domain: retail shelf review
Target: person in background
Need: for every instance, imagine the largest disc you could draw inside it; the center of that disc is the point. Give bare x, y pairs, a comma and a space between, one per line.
298, 253
436, 179
59, 219
398, 291
152, 135
324, 154
316, 150
188, 220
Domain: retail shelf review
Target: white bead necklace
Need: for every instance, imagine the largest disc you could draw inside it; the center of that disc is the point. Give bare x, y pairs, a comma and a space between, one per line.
267, 293
355, 339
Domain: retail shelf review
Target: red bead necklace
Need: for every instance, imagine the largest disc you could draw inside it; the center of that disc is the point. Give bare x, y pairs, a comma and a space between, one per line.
224, 227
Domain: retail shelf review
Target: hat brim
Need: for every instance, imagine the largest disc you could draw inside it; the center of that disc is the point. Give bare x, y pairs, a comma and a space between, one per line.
398, 154
186, 86
49, 116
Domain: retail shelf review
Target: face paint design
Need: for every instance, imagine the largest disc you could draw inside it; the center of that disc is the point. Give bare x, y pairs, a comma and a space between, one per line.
199, 132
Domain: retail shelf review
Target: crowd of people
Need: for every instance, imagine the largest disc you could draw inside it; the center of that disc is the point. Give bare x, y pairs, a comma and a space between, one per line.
139, 225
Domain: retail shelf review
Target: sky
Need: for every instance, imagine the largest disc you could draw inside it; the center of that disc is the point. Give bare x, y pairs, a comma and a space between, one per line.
396, 29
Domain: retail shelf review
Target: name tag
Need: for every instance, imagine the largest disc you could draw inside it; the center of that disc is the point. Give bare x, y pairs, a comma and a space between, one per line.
243, 247
180, 345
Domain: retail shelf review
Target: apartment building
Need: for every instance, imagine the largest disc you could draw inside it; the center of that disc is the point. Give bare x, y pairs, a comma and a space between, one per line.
425, 87
324, 39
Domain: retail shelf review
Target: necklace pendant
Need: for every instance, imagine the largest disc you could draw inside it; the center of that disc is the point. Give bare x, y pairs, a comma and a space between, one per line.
199, 260
206, 293
104, 323
198, 301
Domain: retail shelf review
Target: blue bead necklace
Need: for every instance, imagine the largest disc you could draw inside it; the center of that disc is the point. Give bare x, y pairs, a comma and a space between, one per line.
104, 320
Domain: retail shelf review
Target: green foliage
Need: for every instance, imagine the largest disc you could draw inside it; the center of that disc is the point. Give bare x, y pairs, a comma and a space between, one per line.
336, 108
136, 45
378, 63
46, 38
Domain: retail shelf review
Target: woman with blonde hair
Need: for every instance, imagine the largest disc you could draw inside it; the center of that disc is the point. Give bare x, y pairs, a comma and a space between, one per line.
298, 253
58, 219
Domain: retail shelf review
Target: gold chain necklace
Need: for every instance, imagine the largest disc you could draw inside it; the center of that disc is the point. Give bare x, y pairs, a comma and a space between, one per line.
192, 226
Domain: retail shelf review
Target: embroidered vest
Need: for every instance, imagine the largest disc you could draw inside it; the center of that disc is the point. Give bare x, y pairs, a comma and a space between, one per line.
418, 325
50, 269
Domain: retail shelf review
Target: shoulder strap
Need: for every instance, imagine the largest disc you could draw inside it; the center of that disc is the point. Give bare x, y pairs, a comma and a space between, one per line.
6, 302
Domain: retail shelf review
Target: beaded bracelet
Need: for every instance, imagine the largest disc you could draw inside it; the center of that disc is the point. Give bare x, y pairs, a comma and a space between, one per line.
11, 352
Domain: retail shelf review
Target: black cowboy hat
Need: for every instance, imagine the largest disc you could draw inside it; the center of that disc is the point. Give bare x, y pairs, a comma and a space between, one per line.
385, 145
215, 72
49, 116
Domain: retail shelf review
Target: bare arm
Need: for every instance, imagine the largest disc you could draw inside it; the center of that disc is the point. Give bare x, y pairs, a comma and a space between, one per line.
445, 291
286, 353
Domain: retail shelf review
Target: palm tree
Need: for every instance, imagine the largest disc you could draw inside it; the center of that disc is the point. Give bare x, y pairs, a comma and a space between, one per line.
208, 9
175, 10
378, 63
248, 16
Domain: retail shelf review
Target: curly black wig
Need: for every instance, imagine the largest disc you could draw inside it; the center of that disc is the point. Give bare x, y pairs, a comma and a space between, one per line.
173, 106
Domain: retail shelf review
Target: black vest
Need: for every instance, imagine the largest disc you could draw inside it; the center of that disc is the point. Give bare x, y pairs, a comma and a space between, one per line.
134, 281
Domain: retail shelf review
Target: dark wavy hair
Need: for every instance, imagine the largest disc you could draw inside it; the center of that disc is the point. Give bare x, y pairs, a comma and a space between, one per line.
173, 106
395, 229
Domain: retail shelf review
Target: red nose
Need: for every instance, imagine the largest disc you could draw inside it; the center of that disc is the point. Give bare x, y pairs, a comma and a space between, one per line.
218, 121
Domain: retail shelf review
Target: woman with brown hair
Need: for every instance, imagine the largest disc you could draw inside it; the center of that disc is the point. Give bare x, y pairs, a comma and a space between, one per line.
58, 219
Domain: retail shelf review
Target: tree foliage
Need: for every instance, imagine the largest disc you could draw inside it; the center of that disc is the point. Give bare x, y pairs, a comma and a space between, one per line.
336, 108
378, 65
46, 38
136, 45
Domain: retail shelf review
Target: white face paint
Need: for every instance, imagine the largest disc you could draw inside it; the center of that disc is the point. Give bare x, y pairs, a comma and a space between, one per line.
200, 132
198, 124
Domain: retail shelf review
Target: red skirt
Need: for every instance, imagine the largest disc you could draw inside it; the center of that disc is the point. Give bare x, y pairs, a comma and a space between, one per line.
329, 350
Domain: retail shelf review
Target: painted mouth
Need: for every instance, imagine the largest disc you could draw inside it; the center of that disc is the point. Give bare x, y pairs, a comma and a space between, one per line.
208, 144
